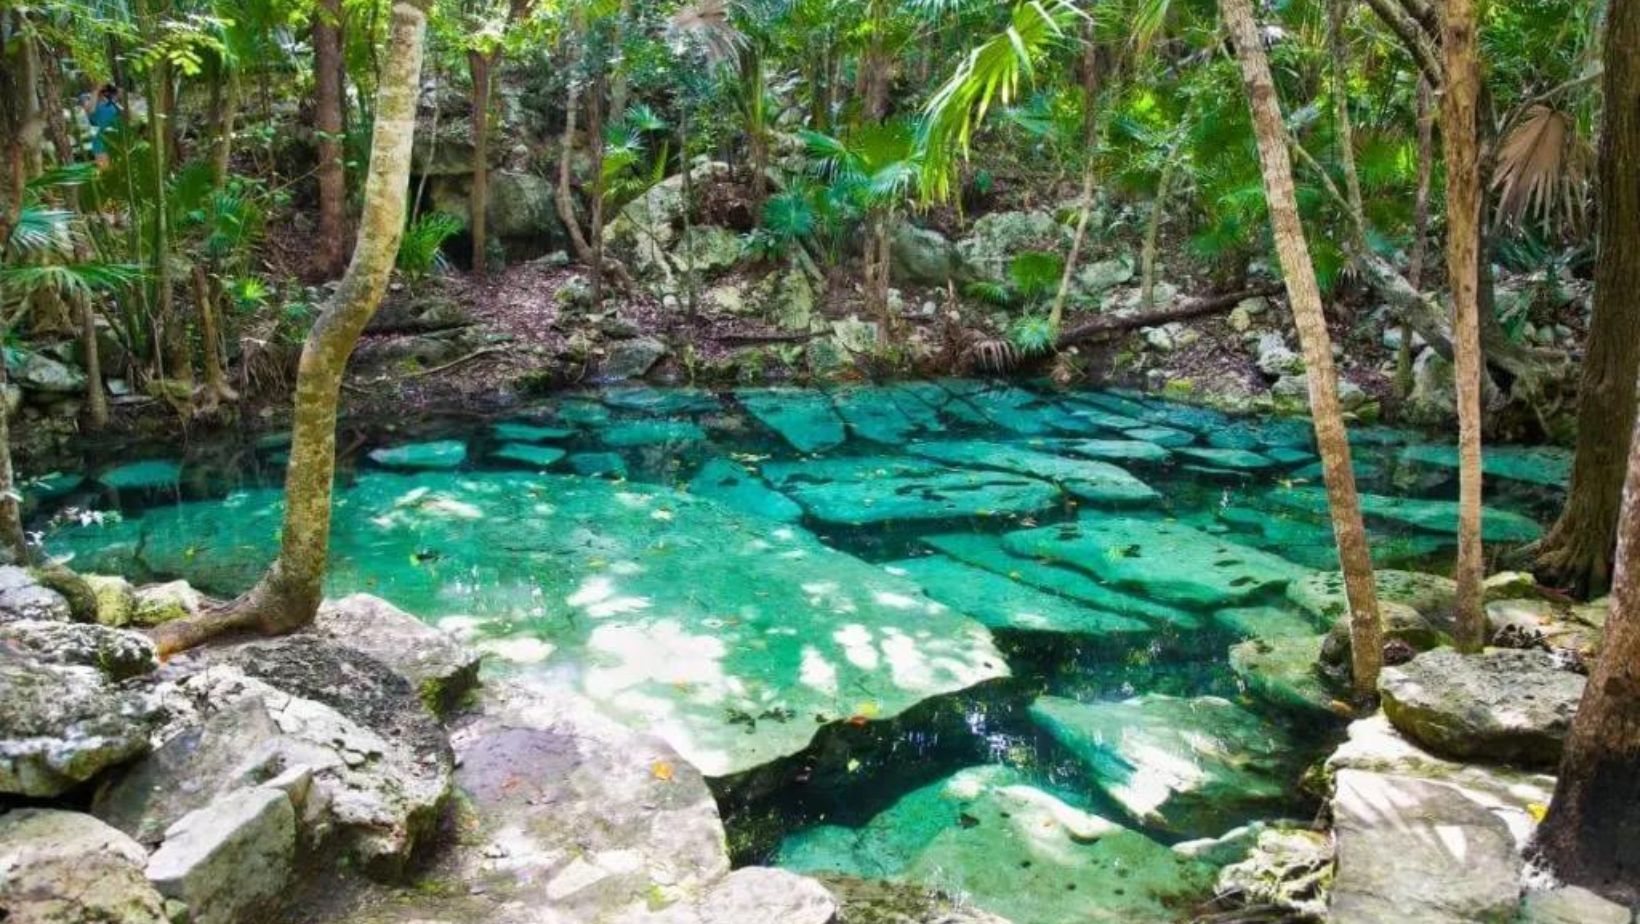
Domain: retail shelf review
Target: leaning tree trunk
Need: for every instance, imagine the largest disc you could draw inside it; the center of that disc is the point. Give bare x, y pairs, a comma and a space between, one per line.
1460, 131
478, 201
1304, 294
565, 197
288, 596
327, 124
1056, 316
1578, 550
1588, 838
1420, 228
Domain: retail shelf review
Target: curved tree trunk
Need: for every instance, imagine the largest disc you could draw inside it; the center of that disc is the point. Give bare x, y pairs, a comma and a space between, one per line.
565, 198
478, 201
1420, 228
1588, 837
327, 124
288, 596
1460, 131
1578, 550
1304, 294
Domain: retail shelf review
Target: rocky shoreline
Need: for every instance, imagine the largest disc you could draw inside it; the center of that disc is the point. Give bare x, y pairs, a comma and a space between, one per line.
360, 772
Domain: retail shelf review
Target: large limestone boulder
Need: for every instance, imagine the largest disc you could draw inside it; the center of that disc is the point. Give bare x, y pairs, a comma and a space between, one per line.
440, 669
231, 861
923, 256
631, 359
1421, 852
755, 895
39, 372
995, 239
1504, 705
116, 652
1434, 398
61, 867
1572, 905
646, 229
22, 597
379, 763
521, 207
61, 726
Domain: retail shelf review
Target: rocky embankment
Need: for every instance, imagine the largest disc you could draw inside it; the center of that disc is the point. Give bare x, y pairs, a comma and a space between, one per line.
354, 772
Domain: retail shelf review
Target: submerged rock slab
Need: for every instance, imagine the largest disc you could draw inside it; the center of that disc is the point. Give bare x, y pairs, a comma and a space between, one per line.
1283, 673
1003, 603
1100, 482
517, 431
1166, 560
662, 401
1020, 411
803, 418
598, 464
1545, 465
650, 433
1166, 437
1419, 851
438, 455
987, 552
1241, 460
142, 476
1432, 515
1186, 766
932, 497
1116, 450
730, 484
1504, 705
680, 616
1013, 848
1322, 594
883, 416
529, 454
846, 469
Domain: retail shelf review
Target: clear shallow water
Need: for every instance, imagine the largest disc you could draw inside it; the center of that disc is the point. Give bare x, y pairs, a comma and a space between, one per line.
781, 584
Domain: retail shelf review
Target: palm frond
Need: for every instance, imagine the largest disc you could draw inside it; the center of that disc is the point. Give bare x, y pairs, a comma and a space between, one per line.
1543, 169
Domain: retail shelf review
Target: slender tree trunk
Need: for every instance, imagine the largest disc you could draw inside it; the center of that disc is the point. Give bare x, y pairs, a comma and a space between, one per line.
1588, 837
224, 111
288, 596
34, 124
1057, 315
1460, 131
51, 87
13, 548
595, 129
217, 389
1304, 294
177, 364
1337, 15
1153, 235
96, 399
478, 202
566, 196
1578, 551
331, 253
1090, 89
12, 545
1420, 227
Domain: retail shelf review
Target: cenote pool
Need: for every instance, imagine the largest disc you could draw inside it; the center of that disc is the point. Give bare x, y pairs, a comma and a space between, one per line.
1031, 647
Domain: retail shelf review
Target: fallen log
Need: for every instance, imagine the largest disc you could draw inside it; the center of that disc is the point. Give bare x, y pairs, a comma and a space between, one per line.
1183, 311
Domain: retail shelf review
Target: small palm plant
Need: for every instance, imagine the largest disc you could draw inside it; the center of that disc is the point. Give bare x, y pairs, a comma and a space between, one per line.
874, 172
422, 251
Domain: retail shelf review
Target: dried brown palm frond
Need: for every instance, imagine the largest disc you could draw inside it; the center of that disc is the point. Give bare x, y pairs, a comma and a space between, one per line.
708, 22
996, 355
1543, 170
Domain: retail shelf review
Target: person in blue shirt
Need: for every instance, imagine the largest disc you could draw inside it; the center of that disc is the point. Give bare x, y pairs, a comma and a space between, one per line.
103, 116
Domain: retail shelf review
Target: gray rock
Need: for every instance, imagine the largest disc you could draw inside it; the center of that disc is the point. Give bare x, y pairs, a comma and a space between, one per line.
39, 372
22, 597
521, 206
1102, 276
1419, 852
440, 669
420, 315
1297, 387
67, 868
632, 359
1275, 359
707, 249
231, 861
1434, 398
757, 895
115, 652
1572, 905
1504, 705
922, 256
60, 726
995, 239
116, 599
1289, 869
162, 603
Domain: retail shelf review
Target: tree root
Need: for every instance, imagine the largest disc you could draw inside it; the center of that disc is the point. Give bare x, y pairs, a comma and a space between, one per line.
270, 608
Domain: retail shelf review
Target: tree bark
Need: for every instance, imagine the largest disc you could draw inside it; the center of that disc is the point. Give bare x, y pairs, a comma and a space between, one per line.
327, 125
216, 382
566, 197
12, 545
1420, 227
1056, 316
1588, 837
478, 202
1304, 295
1460, 132
595, 132
1577, 552
288, 596
1183, 311
1337, 15
96, 400
224, 111
1153, 233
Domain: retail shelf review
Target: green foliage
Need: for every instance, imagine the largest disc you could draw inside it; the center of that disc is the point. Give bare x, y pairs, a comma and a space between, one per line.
421, 252
1032, 335
1035, 274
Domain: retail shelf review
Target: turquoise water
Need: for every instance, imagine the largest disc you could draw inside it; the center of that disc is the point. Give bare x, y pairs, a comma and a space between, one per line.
968, 635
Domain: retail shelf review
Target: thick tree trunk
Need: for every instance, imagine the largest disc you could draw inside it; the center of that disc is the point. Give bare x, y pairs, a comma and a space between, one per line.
1460, 131
1588, 838
331, 253
1578, 551
288, 596
1304, 294
12, 546
478, 202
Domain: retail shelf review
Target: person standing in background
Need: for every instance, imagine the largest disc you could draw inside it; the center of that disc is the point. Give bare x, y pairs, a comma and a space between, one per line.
103, 115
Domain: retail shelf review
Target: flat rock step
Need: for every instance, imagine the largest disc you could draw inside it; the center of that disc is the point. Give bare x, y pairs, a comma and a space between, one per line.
1090, 480
804, 419
1003, 603
1431, 515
